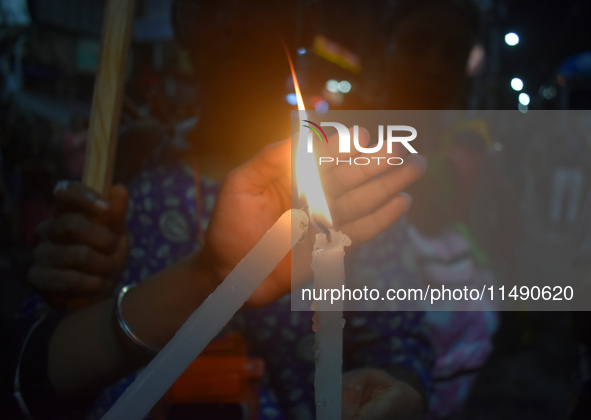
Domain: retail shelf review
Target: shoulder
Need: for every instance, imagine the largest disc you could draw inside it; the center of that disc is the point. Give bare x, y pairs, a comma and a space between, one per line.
163, 188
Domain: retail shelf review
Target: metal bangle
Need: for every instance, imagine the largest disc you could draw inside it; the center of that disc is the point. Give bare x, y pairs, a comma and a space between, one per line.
138, 342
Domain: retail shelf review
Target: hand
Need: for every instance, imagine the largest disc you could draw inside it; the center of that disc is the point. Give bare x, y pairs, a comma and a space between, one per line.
372, 394
83, 247
250, 201
363, 201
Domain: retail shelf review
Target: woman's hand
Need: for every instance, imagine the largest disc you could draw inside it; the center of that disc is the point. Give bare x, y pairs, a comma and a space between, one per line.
83, 247
363, 200
372, 394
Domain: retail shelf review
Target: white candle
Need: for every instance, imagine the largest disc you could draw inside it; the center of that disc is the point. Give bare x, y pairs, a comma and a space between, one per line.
329, 273
328, 264
209, 319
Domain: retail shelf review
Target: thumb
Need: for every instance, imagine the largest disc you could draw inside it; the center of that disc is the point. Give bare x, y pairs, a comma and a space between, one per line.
118, 199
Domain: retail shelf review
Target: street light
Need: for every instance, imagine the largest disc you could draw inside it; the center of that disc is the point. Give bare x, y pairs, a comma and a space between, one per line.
512, 39
524, 99
517, 84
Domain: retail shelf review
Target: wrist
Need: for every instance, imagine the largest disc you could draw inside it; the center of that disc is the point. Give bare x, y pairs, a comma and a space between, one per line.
209, 269
158, 307
203, 277
126, 330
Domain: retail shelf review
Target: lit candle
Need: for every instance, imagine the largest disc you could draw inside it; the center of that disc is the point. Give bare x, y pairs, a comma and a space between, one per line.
209, 319
329, 273
328, 264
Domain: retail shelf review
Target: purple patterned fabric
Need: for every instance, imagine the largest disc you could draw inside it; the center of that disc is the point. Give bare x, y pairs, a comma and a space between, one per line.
462, 340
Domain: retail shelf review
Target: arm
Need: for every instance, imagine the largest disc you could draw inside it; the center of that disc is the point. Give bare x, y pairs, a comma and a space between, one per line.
87, 349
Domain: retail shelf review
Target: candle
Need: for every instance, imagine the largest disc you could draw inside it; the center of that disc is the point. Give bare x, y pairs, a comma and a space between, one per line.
209, 319
328, 264
329, 273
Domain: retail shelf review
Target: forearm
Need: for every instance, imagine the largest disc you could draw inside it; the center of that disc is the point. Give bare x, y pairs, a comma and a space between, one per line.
88, 350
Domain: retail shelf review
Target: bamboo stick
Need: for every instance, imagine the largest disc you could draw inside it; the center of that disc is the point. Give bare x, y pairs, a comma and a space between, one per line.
108, 95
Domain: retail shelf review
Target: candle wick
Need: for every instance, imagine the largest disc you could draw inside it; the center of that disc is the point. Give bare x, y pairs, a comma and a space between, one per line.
324, 229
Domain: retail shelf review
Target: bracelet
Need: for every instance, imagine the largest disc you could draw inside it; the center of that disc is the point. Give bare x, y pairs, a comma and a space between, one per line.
141, 344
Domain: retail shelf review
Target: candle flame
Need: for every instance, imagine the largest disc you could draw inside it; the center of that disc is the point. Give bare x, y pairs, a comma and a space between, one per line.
307, 176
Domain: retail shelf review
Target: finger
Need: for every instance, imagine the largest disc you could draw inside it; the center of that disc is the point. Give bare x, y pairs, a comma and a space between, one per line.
331, 148
78, 257
391, 401
49, 280
352, 397
363, 142
118, 198
341, 178
74, 196
272, 163
382, 406
363, 200
74, 228
366, 228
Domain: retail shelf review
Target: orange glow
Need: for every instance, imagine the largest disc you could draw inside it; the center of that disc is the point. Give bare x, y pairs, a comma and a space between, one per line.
308, 179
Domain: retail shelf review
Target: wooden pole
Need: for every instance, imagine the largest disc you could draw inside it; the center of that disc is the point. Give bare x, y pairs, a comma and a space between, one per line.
108, 95
107, 101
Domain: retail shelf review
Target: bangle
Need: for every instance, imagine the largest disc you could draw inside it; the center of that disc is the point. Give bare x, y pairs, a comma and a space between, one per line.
138, 342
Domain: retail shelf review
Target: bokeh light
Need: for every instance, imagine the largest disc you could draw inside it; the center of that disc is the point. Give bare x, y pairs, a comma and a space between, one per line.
517, 84
512, 39
524, 99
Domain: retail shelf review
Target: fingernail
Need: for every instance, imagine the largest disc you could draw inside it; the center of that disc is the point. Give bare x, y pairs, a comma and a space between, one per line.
96, 200
101, 204
407, 195
61, 185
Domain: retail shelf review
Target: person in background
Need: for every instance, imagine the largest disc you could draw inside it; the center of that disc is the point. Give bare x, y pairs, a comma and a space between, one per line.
582, 318
431, 41
568, 180
447, 253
